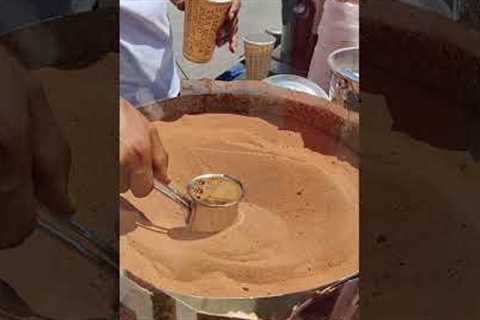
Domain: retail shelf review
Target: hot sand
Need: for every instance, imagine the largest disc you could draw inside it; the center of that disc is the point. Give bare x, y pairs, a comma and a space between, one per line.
297, 227
53, 279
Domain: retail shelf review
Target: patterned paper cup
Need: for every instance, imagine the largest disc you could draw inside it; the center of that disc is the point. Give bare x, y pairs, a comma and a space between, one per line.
203, 18
258, 55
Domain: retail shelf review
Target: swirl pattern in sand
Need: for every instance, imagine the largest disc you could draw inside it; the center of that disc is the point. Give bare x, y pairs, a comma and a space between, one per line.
297, 227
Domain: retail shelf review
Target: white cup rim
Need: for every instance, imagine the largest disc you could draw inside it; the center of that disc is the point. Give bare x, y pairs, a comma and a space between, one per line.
220, 1
259, 39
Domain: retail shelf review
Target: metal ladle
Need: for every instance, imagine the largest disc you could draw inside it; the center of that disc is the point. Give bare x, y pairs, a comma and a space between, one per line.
211, 201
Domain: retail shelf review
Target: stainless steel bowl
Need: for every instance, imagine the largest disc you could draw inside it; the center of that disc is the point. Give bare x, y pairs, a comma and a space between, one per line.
345, 82
213, 216
297, 83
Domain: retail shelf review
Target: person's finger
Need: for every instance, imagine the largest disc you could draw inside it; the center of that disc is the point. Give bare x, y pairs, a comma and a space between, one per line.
18, 214
226, 33
51, 155
181, 5
124, 177
234, 23
232, 28
159, 158
13, 304
233, 40
141, 181
234, 9
139, 166
233, 45
221, 34
221, 41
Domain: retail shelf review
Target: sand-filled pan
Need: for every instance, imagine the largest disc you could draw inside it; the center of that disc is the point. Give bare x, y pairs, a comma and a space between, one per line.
285, 109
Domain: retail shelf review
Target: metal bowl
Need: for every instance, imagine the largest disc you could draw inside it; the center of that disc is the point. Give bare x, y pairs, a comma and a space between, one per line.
297, 83
345, 82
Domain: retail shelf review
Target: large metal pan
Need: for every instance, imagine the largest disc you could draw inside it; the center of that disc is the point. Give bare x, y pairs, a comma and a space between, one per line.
273, 104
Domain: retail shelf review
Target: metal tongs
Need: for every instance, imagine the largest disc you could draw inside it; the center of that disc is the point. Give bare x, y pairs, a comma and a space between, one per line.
177, 196
78, 237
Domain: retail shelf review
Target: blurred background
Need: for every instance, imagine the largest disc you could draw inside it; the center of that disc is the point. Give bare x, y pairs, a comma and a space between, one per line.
255, 16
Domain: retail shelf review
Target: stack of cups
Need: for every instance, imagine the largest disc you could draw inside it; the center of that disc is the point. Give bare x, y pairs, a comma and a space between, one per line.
203, 19
258, 55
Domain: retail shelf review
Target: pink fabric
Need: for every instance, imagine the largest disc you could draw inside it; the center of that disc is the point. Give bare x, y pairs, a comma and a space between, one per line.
339, 28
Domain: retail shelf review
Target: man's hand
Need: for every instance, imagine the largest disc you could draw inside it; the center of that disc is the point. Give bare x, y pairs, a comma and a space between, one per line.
229, 31
142, 156
180, 4
34, 156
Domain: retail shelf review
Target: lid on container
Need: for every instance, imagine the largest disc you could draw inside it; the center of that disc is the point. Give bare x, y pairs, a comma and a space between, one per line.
296, 83
259, 39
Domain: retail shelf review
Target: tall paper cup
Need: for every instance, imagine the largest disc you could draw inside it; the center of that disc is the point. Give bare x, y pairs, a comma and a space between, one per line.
258, 55
203, 18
